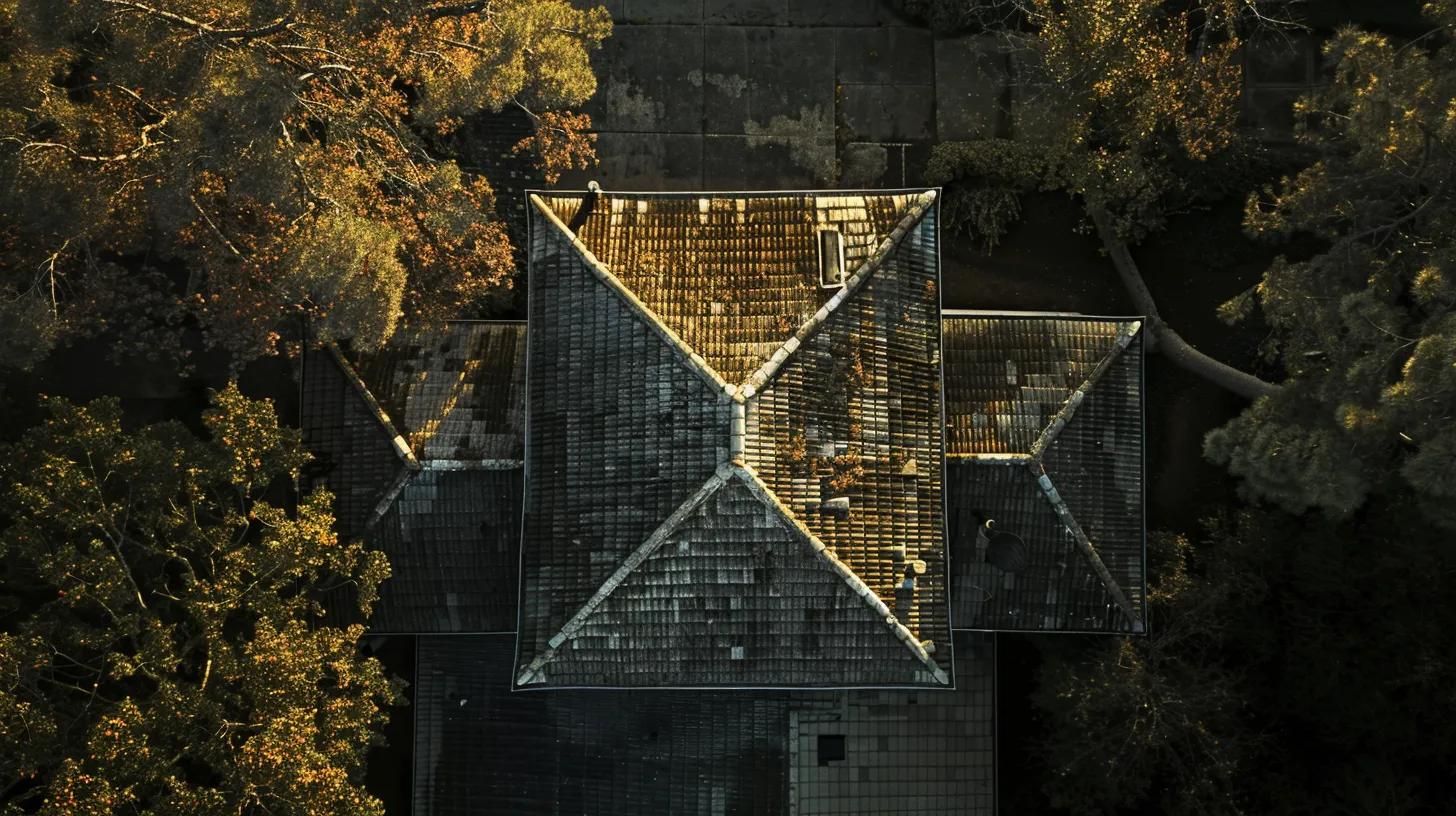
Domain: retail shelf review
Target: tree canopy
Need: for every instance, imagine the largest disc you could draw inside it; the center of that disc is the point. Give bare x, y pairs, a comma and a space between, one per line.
236, 163
1366, 328
1115, 103
161, 644
1294, 665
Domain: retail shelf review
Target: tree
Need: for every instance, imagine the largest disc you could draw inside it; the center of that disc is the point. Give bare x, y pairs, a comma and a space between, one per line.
1295, 665
1158, 722
1365, 329
241, 162
1117, 100
161, 648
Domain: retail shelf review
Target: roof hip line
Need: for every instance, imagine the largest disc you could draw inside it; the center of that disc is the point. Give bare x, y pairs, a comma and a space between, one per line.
401, 447
645, 550
856, 584
680, 347
1085, 545
1064, 415
918, 207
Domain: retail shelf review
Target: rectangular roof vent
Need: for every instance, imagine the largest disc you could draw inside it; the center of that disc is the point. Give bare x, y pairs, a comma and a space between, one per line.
831, 259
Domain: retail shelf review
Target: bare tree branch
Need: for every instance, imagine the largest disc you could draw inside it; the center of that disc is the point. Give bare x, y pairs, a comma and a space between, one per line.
1163, 339
183, 21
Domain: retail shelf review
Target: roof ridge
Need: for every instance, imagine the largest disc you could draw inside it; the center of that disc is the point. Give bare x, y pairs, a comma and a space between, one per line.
856, 584
532, 672
916, 209
401, 447
680, 347
1044, 481
1125, 334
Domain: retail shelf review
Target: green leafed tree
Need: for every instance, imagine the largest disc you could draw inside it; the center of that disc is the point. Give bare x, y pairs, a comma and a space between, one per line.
236, 163
161, 643
1366, 328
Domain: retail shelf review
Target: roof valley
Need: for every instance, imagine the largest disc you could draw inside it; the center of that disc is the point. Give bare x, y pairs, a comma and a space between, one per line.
918, 207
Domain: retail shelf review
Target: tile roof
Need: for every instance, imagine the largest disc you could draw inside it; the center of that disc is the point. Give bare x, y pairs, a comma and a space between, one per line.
457, 572
650, 430
453, 542
422, 443
358, 454
754, 259
457, 393
1044, 418
714, 753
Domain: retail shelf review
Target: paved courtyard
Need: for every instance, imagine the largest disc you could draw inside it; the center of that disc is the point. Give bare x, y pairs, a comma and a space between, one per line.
781, 94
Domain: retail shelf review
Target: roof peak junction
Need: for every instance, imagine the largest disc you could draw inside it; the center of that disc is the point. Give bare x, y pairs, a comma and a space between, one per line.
734, 442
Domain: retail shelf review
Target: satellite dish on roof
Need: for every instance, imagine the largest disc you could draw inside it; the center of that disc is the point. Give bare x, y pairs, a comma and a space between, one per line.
1006, 551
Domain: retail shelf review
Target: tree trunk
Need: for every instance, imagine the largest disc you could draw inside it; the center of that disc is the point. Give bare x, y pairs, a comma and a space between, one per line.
1161, 338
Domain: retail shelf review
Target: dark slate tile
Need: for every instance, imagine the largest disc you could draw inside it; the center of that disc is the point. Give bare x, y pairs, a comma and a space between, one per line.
890, 327
453, 543
620, 433
724, 753
354, 455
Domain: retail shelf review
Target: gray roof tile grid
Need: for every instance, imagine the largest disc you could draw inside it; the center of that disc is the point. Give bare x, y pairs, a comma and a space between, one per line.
735, 597
818, 408
453, 539
930, 754
1096, 465
354, 455
1057, 589
708, 753
456, 392
1006, 377
733, 275
621, 432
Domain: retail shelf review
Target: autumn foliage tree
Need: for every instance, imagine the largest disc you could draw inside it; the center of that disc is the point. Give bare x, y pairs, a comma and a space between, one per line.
1115, 101
240, 162
161, 645
1366, 328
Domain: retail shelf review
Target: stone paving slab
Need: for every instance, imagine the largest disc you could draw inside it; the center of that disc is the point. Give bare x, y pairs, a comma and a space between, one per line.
759, 73
643, 80
643, 161
885, 56
885, 113
840, 13
970, 76
659, 12
743, 12
732, 162
775, 94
